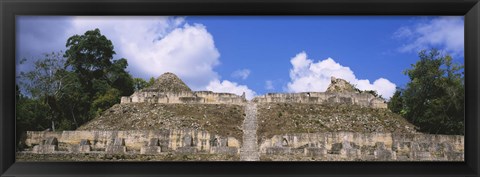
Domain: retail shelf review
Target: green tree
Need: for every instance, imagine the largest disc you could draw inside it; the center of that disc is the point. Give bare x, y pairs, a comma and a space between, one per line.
29, 115
75, 103
45, 83
151, 81
434, 98
65, 90
119, 78
90, 57
396, 102
139, 83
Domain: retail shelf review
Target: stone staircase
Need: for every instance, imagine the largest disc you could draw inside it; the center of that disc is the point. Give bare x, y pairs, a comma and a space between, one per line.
249, 150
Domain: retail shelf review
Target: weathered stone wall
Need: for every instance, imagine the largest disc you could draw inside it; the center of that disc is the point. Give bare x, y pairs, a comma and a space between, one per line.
168, 140
367, 147
206, 97
361, 99
332, 146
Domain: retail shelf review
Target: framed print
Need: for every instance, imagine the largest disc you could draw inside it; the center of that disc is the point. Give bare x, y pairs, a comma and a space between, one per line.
254, 88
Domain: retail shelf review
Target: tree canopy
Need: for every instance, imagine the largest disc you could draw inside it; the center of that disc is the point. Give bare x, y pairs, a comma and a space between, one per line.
434, 97
65, 90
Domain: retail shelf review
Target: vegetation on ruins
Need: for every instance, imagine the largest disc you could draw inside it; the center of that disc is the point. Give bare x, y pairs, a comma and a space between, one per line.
284, 118
221, 119
434, 97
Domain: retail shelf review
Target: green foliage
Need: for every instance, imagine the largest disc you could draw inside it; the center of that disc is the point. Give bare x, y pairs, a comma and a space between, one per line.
102, 79
396, 102
66, 90
30, 115
151, 81
434, 98
139, 83
89, 54
119, 78
105, 101
45, 84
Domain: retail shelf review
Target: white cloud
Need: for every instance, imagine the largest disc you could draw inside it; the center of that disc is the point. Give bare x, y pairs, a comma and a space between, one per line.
155, 45
444, 33
269, 85
230, 87
307, 75
243, 74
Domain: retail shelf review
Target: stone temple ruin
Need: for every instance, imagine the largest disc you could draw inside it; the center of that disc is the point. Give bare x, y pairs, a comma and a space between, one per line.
170, 89
323, 146
340, 91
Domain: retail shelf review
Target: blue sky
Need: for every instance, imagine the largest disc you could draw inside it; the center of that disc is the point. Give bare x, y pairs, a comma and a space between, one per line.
255, 54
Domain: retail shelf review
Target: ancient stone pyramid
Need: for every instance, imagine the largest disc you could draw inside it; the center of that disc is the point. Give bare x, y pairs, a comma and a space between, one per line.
340, 86
168, 82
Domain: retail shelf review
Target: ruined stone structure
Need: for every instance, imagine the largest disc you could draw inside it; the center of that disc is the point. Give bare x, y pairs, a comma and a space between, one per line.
361, 99
366, 146
204, 97
339, 91
338, 145
121, 142
168, 88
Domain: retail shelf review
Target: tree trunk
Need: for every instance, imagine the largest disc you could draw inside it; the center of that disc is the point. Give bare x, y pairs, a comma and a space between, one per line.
53, 125
74, 119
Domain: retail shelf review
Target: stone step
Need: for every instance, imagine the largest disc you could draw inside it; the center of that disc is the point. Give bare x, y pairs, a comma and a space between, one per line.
249, 150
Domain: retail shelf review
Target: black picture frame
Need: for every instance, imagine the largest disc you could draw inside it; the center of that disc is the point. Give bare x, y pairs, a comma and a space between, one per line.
10, 8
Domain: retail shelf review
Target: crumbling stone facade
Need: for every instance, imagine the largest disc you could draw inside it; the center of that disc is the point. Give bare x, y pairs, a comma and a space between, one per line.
348, 146
338, 92
136, 142
332, 146
361, 99
203, 97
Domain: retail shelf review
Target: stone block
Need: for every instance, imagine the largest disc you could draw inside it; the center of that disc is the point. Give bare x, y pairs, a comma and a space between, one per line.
116, 147
278, 150
455, 156
297, 151
84, 142
153, 147
45, 149
403, 158
80, 149
336, 148
83, 147
422, 155
154, 142
350, 153
380, 146
224, 150
187, 140
383, 154
112, 149
47, 146
51, 141
150, 150
118, 142
315, 151
189, 150
125, 99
